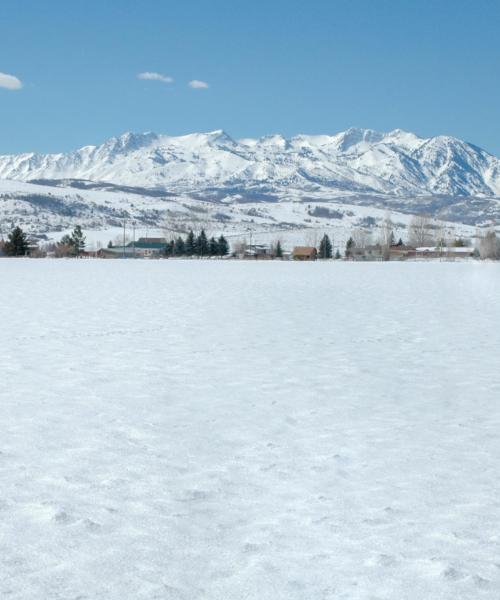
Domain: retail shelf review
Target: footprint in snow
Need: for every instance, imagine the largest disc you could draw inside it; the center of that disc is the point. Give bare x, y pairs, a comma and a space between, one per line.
92, 525
63, 518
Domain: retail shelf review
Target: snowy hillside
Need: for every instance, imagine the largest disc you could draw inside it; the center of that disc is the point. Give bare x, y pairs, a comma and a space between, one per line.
267, 184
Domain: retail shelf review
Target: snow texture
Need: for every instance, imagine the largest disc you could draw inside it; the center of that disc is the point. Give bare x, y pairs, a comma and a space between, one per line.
258, 431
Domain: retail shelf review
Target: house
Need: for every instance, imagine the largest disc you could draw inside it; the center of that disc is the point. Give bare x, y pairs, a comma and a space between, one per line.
304, 253
142, 248
257, 251
149, 247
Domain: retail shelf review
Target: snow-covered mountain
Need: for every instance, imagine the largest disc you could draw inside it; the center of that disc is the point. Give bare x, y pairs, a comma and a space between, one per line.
270, 186
359, 161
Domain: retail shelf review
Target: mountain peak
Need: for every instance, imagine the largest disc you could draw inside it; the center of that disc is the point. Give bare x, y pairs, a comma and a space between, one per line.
354, 136
220, 135
130, 141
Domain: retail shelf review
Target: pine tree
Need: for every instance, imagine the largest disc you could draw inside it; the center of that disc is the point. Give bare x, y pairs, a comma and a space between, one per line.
179, 247
78, 240
325, 247
279, 250
169, 248
213, 247
202, 244
223, 246
190, 245
337, 255
67, 240
17, 243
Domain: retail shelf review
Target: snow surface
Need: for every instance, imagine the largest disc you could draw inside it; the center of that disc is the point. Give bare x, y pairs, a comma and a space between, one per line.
218, 429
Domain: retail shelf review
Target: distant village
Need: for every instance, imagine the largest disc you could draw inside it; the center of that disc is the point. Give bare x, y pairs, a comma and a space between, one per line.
425, 242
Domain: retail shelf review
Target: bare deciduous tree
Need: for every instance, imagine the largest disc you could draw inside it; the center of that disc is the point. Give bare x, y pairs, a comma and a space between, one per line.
361, 237
312, 238
387, 231
239, 247
420, 231
489, 246
119, 240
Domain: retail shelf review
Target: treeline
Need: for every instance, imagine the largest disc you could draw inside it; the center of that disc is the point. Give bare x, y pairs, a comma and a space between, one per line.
18, 243
197, 245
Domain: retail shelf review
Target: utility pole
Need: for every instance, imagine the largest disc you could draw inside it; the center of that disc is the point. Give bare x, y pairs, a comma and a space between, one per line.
133, 230
123, 246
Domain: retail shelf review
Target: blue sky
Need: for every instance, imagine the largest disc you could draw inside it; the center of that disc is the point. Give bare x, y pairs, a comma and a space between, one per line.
284, 66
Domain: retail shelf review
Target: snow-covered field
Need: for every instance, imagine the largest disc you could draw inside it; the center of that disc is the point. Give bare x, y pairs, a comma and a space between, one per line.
261, 431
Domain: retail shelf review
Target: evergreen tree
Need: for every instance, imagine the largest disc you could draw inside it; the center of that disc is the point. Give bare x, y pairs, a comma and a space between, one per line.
337, 255
279, 250
17, 243
349, 246
179, 247
67, 240
223, 246
190, 245
213, 247
78, 241
202, 244
325, 247
400, 242
169, 248
392, 239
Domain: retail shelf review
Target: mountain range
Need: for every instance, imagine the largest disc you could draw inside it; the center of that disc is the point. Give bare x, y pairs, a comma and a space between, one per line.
397, 163
150, 177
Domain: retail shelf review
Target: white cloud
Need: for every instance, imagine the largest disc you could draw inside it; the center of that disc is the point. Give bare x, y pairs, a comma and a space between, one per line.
10, 82
151, 76
196, 84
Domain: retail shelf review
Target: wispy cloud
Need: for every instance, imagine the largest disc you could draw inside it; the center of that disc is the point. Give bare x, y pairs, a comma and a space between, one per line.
196, 84
10, 82
152, 76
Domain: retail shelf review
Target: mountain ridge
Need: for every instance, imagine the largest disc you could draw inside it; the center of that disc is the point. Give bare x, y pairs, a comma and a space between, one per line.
355, 161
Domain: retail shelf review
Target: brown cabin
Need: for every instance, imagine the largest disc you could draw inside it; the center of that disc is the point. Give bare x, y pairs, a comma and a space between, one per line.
304, 253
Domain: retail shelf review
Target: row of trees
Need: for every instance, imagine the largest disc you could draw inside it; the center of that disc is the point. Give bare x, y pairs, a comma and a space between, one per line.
488, 246
18, 244
199, 245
